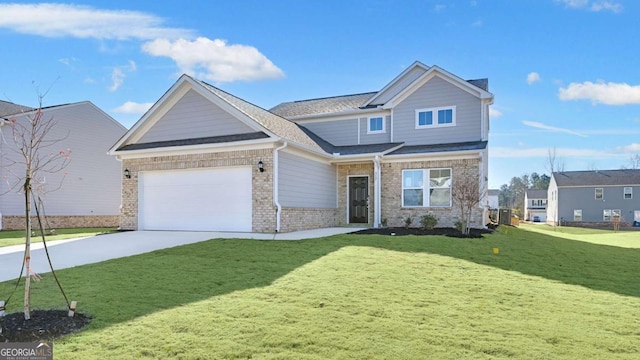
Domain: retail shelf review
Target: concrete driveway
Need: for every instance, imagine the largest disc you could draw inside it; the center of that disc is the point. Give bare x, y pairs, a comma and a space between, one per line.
75, 252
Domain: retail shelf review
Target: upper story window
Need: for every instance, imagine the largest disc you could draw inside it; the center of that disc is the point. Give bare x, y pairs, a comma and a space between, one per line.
432, 117
628, 193
599, 193
376, 125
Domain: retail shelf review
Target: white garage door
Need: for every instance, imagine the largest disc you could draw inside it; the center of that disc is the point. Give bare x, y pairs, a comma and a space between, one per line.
202, 200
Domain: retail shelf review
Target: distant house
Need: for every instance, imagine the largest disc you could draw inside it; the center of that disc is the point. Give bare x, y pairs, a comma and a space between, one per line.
84, 194
535, 204
225, 164
594, 197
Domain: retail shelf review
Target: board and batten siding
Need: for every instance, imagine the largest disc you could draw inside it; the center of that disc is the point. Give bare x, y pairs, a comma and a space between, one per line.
337, 132
375, 138
90, 184
194, 116
305, 183
437, 92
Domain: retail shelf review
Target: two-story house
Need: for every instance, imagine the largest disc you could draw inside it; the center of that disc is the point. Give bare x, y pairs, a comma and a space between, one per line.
594, 197
535, 205
203, 159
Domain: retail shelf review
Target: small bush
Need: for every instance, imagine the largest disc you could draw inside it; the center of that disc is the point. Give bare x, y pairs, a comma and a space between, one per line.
384, 222
459, 225
428, 221
408, 221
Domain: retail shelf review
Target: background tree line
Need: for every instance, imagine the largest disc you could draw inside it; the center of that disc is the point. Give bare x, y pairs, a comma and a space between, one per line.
511, 195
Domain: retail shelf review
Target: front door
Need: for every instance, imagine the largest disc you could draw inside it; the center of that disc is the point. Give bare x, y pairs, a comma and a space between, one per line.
359, 200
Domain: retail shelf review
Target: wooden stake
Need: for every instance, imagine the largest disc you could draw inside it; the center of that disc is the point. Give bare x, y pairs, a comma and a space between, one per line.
72, 308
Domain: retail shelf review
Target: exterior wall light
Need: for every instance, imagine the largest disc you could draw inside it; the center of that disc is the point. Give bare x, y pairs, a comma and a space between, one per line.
260, 166
127, 173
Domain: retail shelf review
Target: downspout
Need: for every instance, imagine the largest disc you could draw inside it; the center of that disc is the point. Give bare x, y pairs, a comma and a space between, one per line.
376, 191
276, 200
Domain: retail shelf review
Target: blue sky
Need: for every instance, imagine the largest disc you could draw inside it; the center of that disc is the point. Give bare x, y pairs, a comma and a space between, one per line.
564, 73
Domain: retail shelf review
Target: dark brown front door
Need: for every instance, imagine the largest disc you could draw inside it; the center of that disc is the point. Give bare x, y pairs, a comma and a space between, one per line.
359, 200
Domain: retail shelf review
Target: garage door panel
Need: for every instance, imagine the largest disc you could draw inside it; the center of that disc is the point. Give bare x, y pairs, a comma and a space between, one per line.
210, 200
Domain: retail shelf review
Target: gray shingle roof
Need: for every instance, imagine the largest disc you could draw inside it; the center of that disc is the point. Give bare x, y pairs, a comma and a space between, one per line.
481, 83
421, 149
351, 149
8, 108
322, 105
536, 194
197, 141
597, 178
272, 122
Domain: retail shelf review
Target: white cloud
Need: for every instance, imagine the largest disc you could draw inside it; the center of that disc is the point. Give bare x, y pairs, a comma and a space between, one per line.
477, 23
494, 112
533, 77
67, 20
632, 148
215, 59
118, 75
604, 93
439, 7
542, 126
131, 107
596, 6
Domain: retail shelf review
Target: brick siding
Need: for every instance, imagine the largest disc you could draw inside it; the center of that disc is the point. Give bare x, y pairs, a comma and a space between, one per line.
61, 222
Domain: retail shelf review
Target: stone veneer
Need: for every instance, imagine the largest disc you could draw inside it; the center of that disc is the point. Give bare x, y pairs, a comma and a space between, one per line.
264, 212
61, 222
392, 210
296, 219
345, 171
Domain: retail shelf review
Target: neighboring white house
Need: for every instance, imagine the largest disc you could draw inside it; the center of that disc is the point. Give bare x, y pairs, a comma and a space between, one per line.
86, 193
535, 205
493, 201
223, 163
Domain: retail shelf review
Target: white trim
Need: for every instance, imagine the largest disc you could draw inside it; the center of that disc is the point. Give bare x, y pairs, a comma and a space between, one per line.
369, 131
377, 191
276, 179
426, 180
443, 74
406, 71
445, 155
340, 115
196, 149
434, 118
624, 192
348, 197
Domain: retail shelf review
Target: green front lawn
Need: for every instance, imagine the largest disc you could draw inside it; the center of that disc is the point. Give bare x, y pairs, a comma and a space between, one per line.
357, 297
17, 237
629, 238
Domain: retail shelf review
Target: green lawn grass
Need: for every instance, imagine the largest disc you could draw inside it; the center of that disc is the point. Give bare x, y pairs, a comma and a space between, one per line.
622, 238
17, 237
410, 297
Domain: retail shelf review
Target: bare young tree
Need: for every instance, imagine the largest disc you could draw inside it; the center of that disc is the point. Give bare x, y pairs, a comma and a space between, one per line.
554, 164
28, 159
467, 192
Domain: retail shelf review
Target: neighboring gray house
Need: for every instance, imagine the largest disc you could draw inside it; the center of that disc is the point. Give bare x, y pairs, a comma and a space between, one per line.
90, 184
203, 159
594, 197
535, 204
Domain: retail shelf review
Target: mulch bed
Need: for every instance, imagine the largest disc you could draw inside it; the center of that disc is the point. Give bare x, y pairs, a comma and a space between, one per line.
43, 325
401, 231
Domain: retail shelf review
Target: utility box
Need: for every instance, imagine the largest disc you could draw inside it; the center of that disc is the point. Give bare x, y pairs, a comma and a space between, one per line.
505, 217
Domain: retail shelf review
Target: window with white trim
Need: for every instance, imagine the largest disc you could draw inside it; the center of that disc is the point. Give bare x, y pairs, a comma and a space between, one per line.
426, 188
599, 194
628, 193
434, 117
608, 214
577, 215
376, 125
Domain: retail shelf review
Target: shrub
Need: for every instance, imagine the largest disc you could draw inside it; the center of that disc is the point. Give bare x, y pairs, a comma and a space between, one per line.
459, 225
408, 221
428, 221
384, 222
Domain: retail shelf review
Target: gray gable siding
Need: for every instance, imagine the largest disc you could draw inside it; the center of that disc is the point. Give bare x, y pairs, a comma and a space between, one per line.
337, 132
396, 88
378, 138
193, 116
305, 183
583, 198
436, 93
90, 184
